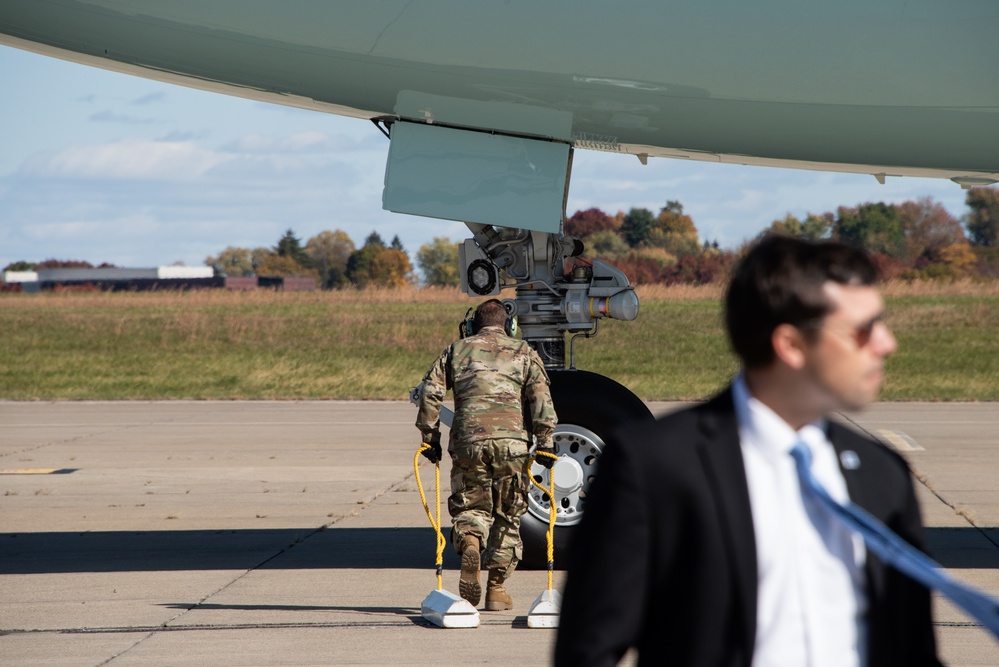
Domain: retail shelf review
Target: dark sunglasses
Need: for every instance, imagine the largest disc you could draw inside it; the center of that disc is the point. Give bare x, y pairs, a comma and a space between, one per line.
861, 334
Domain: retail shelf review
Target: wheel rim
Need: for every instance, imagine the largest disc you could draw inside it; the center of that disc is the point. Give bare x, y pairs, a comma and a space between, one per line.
578, 449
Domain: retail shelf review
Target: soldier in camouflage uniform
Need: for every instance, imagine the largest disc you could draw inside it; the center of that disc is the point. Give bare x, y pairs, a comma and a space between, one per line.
501, 398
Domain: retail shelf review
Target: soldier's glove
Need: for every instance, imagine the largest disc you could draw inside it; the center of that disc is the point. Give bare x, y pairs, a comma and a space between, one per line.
433, 452
541, 459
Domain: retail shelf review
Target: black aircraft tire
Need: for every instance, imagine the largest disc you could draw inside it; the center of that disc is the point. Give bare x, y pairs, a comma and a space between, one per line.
593, 402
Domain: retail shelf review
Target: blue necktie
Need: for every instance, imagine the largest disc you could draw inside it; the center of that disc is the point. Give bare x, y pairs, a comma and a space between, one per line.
895, 551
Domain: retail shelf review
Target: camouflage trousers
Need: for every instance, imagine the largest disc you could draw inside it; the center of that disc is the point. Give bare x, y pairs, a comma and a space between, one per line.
488, 497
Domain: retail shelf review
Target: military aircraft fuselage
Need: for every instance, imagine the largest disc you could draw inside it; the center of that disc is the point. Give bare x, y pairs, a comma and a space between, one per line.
890, 87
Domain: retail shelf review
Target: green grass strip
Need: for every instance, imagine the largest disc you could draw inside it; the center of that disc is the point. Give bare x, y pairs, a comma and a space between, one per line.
330, 346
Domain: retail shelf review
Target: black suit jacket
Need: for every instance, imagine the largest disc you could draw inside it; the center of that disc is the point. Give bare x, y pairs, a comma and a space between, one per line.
665, 557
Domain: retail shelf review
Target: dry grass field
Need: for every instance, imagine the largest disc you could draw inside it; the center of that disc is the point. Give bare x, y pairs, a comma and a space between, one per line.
376, 344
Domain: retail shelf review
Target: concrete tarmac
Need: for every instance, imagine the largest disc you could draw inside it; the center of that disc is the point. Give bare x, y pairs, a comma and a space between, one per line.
292, 533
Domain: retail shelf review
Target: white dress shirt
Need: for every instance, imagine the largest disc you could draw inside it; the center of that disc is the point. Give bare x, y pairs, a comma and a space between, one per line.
811, 596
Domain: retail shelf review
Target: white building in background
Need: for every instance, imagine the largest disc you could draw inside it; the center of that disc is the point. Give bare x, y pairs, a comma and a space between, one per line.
185, 272
162, 272
20, 276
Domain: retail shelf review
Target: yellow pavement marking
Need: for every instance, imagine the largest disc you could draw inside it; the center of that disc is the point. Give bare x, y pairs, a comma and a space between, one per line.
37, 471
900, 441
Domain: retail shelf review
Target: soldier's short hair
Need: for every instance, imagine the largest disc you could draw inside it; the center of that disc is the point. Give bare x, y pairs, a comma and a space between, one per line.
489, 314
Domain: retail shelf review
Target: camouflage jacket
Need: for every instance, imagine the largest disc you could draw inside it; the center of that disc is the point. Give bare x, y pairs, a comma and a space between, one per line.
500, 390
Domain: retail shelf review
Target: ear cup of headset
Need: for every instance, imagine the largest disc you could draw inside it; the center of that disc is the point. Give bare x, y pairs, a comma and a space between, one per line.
466, 327
512, 327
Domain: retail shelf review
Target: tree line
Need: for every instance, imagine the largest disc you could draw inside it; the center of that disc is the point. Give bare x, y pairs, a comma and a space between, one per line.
330, 257
912, 240
335, 262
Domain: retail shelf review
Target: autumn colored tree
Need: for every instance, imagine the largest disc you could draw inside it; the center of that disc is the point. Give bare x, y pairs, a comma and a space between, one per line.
605, 244
391, 268
284, 266
654, 265
584, 223
928, 229
374, 265
328, 252
232, 261
674, 231
641, 270
68, 264
812, 228
959, 257
983, 220
438, 261
259, 255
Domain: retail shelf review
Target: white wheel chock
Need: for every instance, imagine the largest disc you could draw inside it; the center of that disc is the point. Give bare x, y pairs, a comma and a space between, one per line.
545, 610
446, 610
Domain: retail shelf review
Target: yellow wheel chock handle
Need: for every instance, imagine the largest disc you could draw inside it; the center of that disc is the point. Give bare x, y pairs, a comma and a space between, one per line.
550, 492
435, 523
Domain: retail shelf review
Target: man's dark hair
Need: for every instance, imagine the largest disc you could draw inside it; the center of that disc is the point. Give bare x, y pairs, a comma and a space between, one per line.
779, 282
489, 314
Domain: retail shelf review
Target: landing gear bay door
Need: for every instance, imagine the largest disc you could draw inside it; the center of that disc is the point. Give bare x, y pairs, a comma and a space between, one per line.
478, 177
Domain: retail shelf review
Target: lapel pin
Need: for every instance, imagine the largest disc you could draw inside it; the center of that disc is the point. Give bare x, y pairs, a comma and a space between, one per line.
849, 459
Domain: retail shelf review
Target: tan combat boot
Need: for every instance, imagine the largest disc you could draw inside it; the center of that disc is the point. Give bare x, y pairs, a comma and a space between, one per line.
468, 583
497, 599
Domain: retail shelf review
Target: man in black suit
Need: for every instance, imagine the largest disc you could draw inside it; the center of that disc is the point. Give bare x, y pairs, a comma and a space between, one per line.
698, 547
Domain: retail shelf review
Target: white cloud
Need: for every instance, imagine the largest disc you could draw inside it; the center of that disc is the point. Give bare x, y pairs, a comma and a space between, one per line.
158, 96
311, 141
135, 159
111, 117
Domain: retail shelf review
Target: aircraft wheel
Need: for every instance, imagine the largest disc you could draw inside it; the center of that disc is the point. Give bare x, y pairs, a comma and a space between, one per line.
588, 406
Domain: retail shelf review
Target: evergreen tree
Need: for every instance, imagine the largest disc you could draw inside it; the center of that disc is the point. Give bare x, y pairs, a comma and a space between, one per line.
983, 221
289, 246
637, 225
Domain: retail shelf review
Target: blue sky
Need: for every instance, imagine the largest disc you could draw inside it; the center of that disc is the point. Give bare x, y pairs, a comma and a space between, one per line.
106, 167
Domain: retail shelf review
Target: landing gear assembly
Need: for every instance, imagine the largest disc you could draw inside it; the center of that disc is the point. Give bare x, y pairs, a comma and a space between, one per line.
558, 299
488, 163
588, 406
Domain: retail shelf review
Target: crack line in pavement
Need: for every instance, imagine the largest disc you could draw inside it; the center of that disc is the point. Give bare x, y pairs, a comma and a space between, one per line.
86, 436
169, 626
924, 479
416, 620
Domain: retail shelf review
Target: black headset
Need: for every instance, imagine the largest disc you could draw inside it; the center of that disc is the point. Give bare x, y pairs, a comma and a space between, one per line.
466, 327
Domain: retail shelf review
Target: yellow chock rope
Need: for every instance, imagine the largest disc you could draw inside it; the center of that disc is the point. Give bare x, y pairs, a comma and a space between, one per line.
435, 523
550, 492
